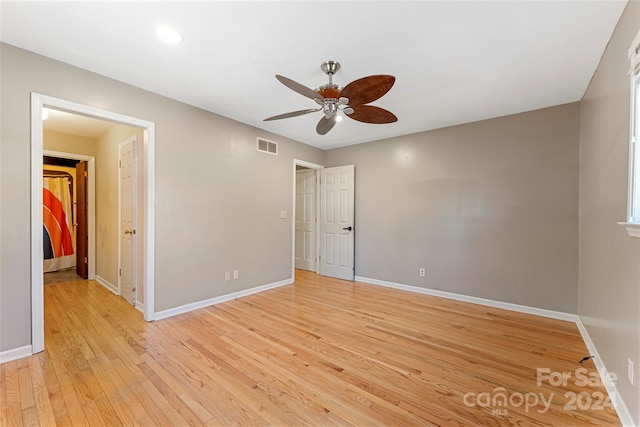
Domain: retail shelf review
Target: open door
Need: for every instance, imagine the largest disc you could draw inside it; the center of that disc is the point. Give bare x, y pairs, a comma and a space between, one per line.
127, 249
305, 221
337, 222
82, 234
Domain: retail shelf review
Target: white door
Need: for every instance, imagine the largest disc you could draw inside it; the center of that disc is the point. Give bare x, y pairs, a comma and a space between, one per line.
127, 245
305, 243
337, 222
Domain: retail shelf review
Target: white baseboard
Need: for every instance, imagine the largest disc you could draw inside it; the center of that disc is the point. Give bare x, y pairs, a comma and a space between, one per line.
106, 284
217, 300
140, 307
16, 353
474, 300
609, 383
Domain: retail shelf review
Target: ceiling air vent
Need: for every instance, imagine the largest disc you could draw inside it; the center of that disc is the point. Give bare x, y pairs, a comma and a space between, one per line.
267, 146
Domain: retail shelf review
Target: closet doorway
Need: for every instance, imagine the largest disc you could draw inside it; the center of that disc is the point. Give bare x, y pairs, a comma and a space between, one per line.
305, 223
305, 219
39, 104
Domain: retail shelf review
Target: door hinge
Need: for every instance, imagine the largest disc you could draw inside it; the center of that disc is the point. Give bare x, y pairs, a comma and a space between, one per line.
86, 260
119, 272
119, 163
86, 174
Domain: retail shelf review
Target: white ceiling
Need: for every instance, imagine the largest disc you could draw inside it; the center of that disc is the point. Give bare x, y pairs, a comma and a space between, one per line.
454, 61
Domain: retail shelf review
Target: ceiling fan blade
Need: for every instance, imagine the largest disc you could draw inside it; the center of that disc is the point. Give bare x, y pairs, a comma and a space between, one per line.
325, 125
372, 114
291, 114
297, 87
367, 89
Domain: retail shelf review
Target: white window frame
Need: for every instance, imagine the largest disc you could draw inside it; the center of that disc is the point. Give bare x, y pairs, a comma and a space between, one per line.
633, 199
634, 152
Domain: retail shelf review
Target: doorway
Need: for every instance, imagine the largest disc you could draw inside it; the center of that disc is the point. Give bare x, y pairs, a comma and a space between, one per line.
38, 104
333, 233
305, 217
83, 214
305, 238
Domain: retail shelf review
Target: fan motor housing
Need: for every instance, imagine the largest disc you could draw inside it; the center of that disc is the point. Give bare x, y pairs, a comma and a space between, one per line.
331, 91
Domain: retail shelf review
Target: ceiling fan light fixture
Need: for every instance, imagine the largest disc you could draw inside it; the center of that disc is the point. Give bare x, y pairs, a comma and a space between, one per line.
169, 35
354, 100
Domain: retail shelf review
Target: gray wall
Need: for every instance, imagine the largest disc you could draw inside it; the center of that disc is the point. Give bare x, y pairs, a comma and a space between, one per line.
609, 286
218, 200
490, 208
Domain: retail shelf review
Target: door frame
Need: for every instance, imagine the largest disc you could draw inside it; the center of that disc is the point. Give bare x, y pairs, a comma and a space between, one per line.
91, 203
316, 167
38, 103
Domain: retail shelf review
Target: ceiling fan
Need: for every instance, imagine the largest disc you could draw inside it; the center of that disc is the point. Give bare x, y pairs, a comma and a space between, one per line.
351, 99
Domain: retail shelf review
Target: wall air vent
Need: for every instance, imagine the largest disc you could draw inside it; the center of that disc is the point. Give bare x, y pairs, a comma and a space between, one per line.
267, 146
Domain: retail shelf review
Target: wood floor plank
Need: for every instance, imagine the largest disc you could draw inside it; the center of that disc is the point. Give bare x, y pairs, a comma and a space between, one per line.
159, 410
227, 408
171, 391
55, 392
41, 393
12, 385
119, 399
72, 406
30, 416
3, 397
27, 399
75, 411
123, 385
321, 351
273, 392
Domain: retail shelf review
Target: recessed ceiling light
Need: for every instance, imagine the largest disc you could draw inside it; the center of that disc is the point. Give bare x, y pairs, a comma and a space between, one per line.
169, 35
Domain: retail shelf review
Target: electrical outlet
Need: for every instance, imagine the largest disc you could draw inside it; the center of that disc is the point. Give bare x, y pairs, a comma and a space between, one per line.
227, 275
630, 373
422, 272
235, 274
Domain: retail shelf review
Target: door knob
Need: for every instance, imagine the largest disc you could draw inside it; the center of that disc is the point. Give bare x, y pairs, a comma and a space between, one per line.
349, 228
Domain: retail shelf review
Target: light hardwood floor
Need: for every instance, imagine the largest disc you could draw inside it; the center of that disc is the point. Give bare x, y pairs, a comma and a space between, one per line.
319, 352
